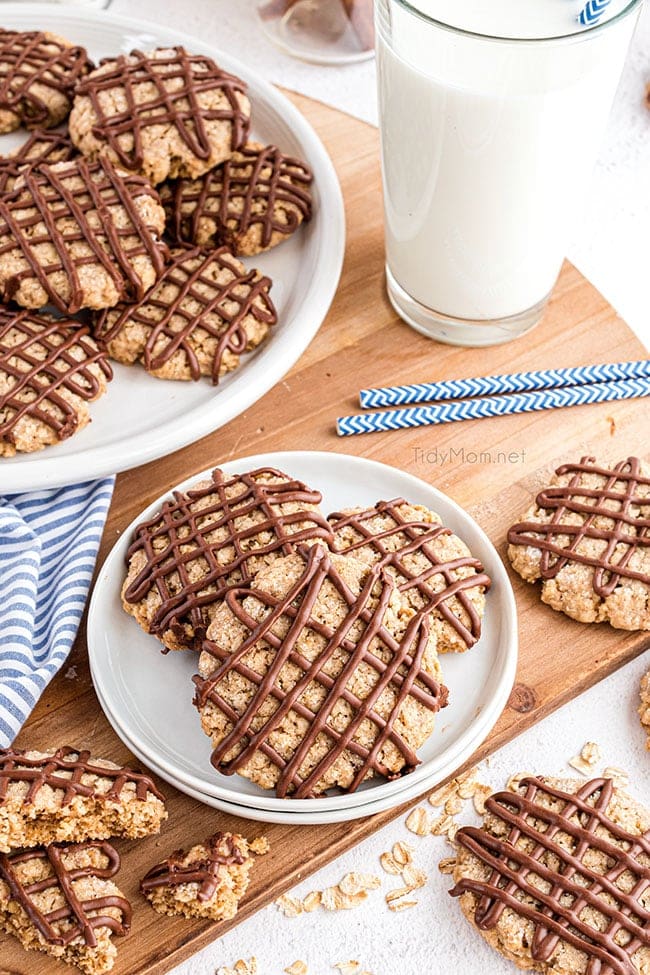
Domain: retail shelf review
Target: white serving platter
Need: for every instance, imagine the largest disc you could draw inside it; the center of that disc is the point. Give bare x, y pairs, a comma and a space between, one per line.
141, 418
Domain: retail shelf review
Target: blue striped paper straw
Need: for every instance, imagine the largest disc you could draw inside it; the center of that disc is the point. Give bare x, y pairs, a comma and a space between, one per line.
592, 11
515, 382
472, 409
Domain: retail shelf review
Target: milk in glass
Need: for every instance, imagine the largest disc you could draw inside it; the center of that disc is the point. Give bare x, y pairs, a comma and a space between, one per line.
487, 147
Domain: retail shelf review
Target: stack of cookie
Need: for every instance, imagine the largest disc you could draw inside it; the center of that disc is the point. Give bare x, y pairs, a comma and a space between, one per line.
137, 215
317, 639
57, 810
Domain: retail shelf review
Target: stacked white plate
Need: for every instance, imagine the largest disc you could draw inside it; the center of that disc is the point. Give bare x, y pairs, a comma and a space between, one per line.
147, 697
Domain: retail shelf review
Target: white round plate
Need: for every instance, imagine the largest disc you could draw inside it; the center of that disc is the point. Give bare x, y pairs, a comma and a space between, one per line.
148, 696
162, 415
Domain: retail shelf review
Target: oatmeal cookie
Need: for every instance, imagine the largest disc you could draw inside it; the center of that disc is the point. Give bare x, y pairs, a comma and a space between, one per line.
197, 320
38, 72
61, 900
211, 538
209, 880
50, 370
556, 878
317, 676
162, 114
64, 794
587, 538
253, 201
434, 569
40, 147
79, 235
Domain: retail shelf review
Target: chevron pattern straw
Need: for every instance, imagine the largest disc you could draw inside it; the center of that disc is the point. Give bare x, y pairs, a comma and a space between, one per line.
516, 382
48, 547
472, 409
592, 12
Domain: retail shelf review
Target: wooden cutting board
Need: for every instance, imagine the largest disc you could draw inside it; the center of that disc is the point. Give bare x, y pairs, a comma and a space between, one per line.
491, 467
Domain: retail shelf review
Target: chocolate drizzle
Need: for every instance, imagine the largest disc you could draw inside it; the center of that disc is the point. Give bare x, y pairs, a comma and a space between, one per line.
64, 769
74, 208
421, 537
42, 358
241, 193
222, 851
400, 675
187, 299
30, 59
183, 534
40, 147
571, 884
78, 918
178, 78
609, 518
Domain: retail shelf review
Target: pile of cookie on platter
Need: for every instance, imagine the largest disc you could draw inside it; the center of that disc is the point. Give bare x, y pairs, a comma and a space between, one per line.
294, 638
125, 214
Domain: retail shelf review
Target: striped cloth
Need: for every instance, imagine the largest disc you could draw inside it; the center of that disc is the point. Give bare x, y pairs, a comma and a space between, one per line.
48, 547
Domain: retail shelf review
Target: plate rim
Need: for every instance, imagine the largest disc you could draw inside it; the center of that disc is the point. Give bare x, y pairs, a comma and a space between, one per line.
52, 471
479, 727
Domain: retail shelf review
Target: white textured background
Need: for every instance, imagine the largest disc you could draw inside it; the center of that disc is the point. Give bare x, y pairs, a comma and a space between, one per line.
611, 248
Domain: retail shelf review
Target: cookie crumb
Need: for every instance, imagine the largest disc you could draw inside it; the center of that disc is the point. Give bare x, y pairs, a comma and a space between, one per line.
289, 906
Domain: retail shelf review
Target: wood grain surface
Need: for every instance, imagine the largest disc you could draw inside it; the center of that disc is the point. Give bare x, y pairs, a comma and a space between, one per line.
363, 343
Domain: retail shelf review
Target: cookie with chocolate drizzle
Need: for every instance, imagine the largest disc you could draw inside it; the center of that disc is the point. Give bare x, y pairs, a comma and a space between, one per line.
557, 879
209, 539
251, 202
38, 73
163, 114
206, 310
434, 569
50, 370
40, 147
208, 880
587, 537
62, 900
317, 676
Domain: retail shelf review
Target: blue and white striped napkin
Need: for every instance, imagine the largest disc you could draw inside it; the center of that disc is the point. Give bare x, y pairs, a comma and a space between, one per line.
48, 547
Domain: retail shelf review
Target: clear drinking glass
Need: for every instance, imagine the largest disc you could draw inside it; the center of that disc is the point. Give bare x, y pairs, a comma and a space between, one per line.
488, 143
322, 31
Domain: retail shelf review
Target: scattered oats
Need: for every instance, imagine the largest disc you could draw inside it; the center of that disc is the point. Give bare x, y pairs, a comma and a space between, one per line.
591, 752
413, 877
349, 967
453, 805
390, 864
241, 968
297, 968
440, 796
467, 783
579, 764
71, 673
447, 865
483, 792
290, 906
418, 821
394, 895
348, 901
441, 825
514, 781
352, 883
330, 898
618, 775
259, 846
402, 853
451, 832
311, 901
401, 905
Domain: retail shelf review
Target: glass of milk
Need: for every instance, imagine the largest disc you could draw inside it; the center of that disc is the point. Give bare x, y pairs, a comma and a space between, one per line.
491, 115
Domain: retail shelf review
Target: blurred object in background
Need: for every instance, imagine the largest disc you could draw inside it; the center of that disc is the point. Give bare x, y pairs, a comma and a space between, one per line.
322, 31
